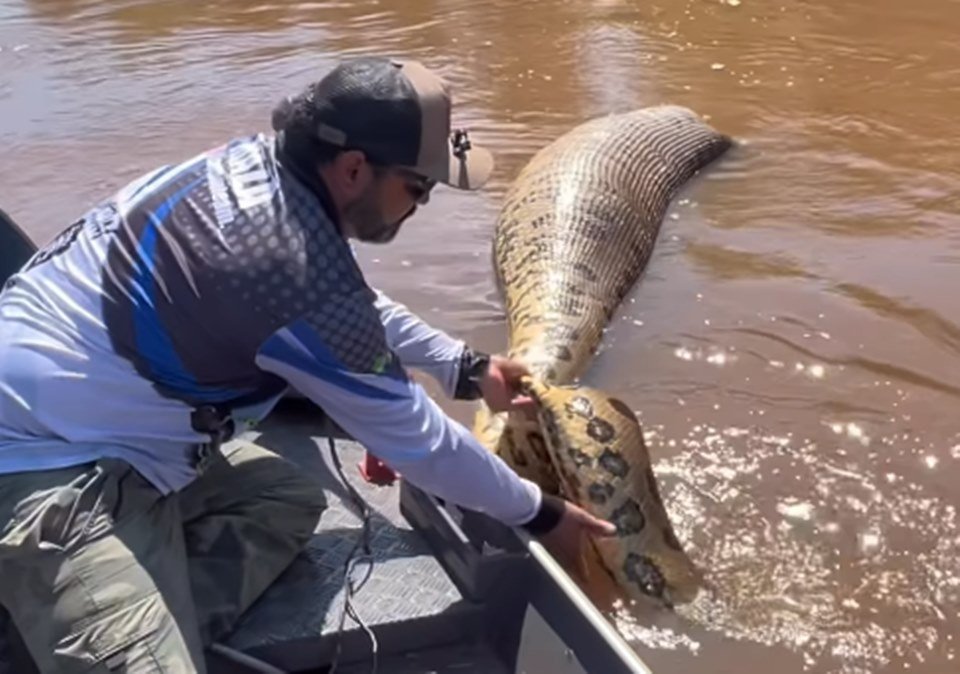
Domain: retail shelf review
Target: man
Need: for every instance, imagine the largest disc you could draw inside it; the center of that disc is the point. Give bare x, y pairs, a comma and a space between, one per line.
182, 309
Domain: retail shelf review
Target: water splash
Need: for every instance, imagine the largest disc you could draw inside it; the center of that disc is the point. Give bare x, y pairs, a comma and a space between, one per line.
849, 566
652, 636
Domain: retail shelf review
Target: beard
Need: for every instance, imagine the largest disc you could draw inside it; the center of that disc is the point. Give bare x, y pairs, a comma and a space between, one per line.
367, 222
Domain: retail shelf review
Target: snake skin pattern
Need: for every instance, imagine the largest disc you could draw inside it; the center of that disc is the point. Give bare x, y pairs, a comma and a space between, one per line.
575, 233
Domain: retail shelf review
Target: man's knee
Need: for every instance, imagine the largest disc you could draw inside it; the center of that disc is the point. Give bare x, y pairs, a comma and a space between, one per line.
279, 477
272, 485
306, 500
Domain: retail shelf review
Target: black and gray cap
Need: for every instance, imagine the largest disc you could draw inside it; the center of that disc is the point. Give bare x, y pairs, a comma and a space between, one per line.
398, 113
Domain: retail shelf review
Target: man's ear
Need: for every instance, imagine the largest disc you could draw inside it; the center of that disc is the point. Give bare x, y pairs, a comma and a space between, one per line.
352, 173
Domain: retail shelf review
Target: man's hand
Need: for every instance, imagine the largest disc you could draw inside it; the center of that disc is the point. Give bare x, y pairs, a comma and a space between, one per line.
566, 541
501, 386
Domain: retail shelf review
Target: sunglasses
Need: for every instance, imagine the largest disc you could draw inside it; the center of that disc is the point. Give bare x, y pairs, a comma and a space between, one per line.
417, 186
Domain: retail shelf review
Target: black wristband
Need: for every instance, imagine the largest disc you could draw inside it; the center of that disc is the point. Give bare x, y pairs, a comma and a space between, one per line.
549, 515
473, 367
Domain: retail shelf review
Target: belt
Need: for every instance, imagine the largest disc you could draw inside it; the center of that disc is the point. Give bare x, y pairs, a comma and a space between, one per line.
218, 425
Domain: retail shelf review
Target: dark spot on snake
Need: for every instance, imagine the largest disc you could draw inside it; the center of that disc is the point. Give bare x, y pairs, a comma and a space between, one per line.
614, 464
581, 407
600, 430
561, 352
600, 493
644, 573
551, 375
586, 271
628, 518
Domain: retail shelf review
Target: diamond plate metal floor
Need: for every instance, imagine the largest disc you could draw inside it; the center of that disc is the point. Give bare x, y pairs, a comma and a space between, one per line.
305, 604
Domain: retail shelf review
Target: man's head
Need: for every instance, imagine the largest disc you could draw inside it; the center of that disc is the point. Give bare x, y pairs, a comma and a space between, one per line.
378, 131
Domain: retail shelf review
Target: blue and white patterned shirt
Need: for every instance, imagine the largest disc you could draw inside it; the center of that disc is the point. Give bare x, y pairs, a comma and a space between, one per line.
223, 280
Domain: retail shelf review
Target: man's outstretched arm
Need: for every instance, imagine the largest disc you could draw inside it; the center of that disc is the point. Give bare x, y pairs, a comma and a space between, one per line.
450, 362
394, 419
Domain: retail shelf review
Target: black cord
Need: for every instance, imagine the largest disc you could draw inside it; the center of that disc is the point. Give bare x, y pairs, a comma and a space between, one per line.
353, 559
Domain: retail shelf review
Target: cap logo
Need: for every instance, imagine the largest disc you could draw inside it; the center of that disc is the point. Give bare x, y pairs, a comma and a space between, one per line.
461, 143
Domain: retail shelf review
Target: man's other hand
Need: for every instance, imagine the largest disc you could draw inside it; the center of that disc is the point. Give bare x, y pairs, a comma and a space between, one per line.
501, 386
567, 541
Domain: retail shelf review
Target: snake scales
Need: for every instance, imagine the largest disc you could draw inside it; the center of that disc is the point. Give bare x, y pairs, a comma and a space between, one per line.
574, 234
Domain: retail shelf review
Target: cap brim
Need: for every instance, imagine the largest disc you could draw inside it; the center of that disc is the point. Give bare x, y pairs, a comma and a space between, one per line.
471, 172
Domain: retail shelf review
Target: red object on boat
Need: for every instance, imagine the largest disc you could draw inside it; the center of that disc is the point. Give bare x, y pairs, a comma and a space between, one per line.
376, 471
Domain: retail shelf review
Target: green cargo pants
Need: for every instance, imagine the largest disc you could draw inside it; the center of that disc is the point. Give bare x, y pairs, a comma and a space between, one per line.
102, 573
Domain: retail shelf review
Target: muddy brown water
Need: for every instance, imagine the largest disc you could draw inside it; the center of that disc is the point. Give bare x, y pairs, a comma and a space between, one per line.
794, 347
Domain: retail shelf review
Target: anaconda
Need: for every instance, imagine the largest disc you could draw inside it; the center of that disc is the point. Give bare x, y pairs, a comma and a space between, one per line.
574, 234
